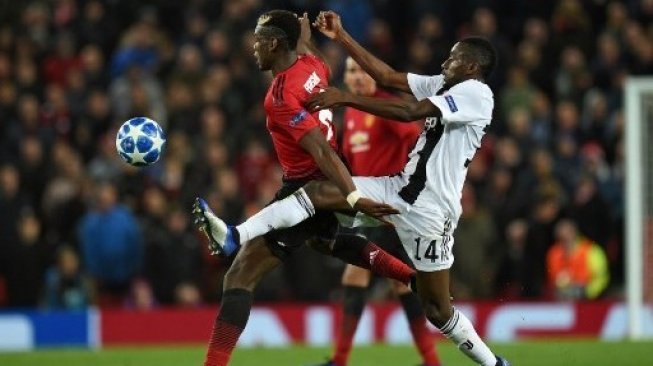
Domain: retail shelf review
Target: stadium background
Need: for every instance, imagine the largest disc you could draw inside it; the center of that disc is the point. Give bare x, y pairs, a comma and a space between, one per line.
71, 71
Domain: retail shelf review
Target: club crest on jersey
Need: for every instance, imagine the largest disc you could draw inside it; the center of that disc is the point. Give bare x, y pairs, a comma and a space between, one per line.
311, 82
450, 102
298, 118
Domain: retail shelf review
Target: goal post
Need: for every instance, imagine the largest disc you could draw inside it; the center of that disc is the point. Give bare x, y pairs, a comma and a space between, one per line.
638, 198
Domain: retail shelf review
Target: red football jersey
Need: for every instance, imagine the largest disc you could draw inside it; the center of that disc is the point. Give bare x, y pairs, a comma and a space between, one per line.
288, 121
375, 146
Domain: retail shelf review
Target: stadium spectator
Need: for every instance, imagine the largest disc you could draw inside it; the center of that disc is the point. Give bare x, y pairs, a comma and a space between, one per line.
63, 201
172, 254
577, 267
111, 245
477, 260
511, 275
590, 212
545, 214
12, 202
66, 285
27, 256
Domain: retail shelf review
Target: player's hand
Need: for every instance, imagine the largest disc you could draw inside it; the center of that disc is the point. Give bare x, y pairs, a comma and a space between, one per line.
375, 209
329, 24
331, 97
305, 23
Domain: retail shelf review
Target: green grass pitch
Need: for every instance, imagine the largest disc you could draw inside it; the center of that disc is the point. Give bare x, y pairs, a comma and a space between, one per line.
567, 353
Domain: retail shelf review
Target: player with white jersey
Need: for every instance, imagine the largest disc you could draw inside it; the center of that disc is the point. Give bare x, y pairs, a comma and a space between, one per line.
428, 191
458, 106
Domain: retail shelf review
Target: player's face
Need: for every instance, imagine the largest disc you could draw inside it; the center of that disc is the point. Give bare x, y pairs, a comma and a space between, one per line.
357, 80
457, 67
262, 51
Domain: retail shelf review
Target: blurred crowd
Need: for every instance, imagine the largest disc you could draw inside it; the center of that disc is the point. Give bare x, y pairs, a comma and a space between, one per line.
78, 226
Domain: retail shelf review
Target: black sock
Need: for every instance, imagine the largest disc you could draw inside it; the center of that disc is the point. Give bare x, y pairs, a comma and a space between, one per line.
353, 300
349, 248
235, 307
412, 306
229, 324
352, 309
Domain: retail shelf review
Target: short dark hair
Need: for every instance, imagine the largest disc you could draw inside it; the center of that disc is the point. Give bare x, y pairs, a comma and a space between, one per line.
285, 21
483, 52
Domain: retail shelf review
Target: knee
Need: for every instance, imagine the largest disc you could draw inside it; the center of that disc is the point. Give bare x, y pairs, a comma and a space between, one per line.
355, 276
399, 288
437, 312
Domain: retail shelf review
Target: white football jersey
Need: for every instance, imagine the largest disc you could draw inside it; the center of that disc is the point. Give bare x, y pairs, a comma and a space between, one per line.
437, 167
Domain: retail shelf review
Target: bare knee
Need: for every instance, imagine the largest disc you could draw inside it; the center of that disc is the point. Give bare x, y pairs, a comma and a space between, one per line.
355, 276
399, 288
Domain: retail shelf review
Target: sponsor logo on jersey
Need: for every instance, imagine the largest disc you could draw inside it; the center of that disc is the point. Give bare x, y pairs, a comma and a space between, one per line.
452, 105
298, 118
312, 82
359, 142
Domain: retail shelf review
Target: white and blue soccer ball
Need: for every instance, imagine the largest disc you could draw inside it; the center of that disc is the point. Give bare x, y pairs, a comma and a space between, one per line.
140, 141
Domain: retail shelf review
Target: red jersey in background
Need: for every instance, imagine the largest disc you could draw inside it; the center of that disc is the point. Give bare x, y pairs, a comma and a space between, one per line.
288, 121
375, 146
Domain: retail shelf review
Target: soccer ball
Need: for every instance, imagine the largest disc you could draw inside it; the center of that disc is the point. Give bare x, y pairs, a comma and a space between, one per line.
140, 141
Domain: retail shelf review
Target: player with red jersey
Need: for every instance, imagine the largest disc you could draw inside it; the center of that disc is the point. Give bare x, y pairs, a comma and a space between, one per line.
376, 146
306, 147
288, 121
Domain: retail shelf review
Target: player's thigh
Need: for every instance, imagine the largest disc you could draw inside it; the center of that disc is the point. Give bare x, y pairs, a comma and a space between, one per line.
253, 261
355, 276
325, 195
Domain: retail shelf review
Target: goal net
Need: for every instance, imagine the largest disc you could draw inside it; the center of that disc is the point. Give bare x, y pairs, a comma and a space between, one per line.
638, 149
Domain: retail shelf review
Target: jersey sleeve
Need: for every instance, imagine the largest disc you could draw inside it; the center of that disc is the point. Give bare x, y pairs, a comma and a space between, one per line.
289, 114
423, 86
467, 102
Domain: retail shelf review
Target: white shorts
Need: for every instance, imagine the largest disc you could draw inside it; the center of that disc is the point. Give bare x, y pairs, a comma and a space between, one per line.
425, 234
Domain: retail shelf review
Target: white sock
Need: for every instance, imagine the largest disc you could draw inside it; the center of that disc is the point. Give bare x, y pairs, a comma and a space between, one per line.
284, 213
461, 331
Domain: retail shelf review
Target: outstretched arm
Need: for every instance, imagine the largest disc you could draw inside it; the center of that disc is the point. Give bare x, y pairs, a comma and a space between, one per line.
396, 109
330, 164
328, 22
305, 42
327, 160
